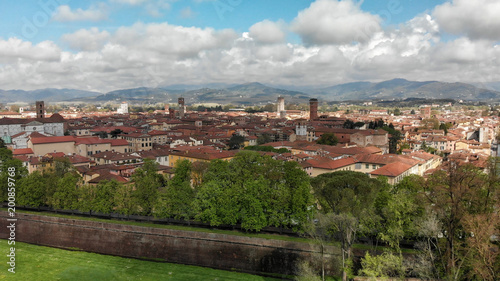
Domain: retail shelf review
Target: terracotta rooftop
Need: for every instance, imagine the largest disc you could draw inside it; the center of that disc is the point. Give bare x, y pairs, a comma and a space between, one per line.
42, 140
328, 164
108, 177
392, 170
22, 151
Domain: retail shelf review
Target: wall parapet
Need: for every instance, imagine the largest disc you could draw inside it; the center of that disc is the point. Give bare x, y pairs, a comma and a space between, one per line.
220, 251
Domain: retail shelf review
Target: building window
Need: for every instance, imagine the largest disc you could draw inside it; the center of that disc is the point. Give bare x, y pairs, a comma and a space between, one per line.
367, 166
358, 166
374, 166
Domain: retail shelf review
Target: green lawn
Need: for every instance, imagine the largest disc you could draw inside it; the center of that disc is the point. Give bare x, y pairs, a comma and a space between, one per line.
45, 263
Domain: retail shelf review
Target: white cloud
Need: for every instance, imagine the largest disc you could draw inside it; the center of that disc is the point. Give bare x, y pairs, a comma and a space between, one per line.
14, 49
268, 32
86, 39
130, 2
154, 8
164, 39
478, 19
94, 13
335, 22
156, 54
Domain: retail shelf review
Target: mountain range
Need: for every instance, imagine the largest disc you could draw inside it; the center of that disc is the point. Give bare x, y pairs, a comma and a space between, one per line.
401, 89
257, 93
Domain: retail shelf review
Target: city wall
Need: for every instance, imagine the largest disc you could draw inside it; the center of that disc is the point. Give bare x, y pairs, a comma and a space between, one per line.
252, 255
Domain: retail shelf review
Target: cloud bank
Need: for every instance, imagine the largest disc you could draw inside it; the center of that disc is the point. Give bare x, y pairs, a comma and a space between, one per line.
337, 43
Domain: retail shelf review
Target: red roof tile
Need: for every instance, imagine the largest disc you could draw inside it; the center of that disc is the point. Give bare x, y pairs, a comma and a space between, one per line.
328, 164
392, 170
108, 177
22, 151
40, 140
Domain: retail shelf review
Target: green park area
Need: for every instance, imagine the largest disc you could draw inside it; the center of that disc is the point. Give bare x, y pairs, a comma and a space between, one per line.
45, 263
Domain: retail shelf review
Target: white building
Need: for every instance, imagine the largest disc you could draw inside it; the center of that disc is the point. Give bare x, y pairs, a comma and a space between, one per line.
12, 127
123, 109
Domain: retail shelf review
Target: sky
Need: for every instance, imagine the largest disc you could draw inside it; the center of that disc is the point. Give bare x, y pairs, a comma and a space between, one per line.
116, 44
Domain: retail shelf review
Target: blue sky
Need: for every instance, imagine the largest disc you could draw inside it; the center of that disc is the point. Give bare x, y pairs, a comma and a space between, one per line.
106, 45
20, 17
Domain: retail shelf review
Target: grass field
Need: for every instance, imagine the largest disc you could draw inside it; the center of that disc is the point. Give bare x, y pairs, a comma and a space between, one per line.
44, 263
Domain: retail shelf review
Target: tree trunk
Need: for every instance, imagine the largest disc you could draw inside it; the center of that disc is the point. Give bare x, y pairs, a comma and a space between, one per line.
322, 263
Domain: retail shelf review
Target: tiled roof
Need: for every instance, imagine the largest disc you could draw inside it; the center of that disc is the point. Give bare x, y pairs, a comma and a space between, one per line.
91, 140
22, 151
42, 140
115, 156
56, 154
23, 158
75, 159
328, 164
392, 170
108, 177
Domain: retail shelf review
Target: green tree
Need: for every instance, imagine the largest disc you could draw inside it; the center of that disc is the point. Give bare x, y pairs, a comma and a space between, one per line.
346, 192
12, 170
114, 134
253, 204
124, 199
263, 138
344, 229
399, 209
394, 138
382, 266
348, 199
147, 181
66, 195
459, 192
328, 139
176, 198
103, 200
62, 166
31, 190
319, 229
86, 195
432, 123
443, 127
348, 124
236, 142
216, 204
255, 191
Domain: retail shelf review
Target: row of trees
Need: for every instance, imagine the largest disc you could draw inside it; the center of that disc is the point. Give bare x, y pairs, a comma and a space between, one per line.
250, 190
452, 219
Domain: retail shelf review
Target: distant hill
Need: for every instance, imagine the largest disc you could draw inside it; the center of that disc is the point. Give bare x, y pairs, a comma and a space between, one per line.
50, 95
401, 89
257, 93
244, 94
139, 95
